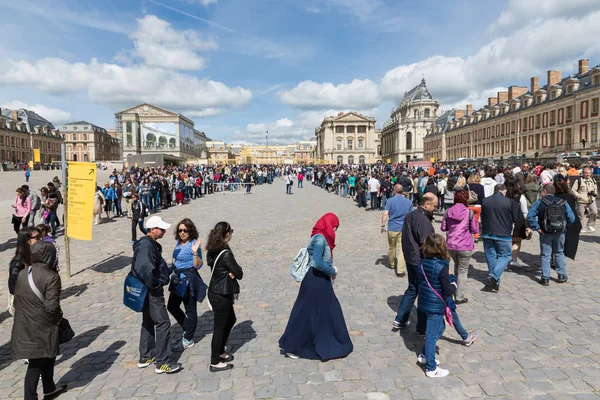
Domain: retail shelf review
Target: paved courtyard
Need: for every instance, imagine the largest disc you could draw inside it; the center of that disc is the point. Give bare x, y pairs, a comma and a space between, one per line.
534, 342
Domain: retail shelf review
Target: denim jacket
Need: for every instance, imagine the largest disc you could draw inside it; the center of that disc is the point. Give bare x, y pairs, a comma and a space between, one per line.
320, 255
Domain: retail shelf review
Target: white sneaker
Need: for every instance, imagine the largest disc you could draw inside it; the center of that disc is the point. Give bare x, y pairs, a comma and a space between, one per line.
292, 356
591, 229
516, 263
437, 373
583, 231
422, 360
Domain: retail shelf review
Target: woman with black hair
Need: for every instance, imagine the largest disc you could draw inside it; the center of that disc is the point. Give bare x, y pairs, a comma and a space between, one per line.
186, 282
22, 257
22, 208
222, 288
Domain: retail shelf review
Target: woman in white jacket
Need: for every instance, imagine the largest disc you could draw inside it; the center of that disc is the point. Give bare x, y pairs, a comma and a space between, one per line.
489, 182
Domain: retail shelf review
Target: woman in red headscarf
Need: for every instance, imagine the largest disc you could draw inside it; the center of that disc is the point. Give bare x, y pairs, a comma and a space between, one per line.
316, 328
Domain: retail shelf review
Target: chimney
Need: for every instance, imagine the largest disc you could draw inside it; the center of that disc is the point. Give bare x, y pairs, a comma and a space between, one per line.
492, 101
535, 84
469, 109
15, 115
516, 91
340, 113
553, 77
584, 66
459, 114
502, 97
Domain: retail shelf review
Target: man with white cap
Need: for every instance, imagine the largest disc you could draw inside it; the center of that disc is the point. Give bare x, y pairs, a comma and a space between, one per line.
152, 270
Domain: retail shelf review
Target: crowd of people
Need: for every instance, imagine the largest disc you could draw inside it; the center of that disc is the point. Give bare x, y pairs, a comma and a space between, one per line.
500, 206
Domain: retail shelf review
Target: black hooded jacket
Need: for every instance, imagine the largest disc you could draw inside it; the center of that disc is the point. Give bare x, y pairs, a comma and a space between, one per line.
148, 265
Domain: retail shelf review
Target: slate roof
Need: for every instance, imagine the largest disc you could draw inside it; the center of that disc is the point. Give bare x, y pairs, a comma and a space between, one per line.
31, 118
443, 120
419, 92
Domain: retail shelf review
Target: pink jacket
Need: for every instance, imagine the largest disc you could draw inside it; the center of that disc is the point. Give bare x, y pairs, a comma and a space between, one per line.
460, 227
22, 210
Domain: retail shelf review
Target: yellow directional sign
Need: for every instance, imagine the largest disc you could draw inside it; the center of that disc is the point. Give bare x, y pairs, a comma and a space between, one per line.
36, 155
80, 200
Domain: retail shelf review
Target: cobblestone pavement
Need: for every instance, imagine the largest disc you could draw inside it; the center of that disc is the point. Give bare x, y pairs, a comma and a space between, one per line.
534, 342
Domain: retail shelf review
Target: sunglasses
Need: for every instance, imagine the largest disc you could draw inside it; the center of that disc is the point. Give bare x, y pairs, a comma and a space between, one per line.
36, 237
182, 231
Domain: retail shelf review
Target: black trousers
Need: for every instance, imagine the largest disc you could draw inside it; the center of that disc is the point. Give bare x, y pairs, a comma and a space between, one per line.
374, 200
224, 321
188, 320
134, 224
37, 367
18, 223
155, 335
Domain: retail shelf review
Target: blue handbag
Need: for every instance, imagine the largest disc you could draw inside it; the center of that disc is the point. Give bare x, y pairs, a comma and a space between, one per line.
134, 293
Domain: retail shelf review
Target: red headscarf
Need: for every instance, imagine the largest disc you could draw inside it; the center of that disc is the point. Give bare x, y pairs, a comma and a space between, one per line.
324, 226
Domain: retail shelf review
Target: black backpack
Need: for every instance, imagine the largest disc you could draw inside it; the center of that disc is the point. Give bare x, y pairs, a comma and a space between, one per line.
555, 217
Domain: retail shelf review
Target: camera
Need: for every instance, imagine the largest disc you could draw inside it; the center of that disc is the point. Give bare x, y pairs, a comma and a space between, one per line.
592, 193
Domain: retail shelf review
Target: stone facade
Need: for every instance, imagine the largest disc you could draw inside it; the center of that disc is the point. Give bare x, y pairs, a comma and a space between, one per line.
21, 131
147, 129
348, 138
89, 143
536, 121
402, 135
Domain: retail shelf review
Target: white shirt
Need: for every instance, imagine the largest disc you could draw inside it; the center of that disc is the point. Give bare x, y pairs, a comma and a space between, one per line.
373, 185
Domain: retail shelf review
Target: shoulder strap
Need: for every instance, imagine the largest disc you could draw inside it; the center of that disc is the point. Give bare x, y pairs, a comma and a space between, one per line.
215, 265
545, 201
431, 287
34, 288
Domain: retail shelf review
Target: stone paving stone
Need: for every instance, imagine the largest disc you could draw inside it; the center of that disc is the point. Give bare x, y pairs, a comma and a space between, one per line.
533, 341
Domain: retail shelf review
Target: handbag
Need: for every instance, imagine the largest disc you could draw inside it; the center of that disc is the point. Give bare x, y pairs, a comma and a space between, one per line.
448, 311
65, 332
301, 264
472, 196
211, 275
134, 293
179, 284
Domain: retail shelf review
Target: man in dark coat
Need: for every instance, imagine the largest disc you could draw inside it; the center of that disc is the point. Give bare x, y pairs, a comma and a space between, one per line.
35, 328
417, 226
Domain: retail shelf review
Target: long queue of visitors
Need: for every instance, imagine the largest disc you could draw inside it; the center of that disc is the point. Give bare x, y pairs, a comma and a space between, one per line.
500, 206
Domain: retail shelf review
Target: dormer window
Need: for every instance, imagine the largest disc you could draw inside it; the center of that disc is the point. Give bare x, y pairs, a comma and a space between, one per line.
538, 99
570, 89
596, 80
553, 95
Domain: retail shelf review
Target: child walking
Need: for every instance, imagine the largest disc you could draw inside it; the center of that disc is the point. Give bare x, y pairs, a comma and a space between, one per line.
434, 286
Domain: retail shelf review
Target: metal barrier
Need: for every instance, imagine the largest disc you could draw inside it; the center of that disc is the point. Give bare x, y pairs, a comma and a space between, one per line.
227, 187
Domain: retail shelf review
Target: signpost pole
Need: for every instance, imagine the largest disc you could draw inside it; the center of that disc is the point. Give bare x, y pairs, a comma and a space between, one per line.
63, 158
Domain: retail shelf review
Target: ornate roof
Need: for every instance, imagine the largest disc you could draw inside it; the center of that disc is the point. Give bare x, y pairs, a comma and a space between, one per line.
419, 92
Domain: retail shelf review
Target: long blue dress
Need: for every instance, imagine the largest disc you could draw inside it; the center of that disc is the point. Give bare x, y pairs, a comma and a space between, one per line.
316, 328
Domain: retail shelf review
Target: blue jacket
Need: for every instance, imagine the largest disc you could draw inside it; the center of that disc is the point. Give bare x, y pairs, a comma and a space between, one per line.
320, 255
538, 209
109, 194
429, 302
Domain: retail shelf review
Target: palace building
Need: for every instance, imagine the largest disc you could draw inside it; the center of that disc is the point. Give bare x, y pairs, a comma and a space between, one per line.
88, 142
402, 135
348, 138
539, 121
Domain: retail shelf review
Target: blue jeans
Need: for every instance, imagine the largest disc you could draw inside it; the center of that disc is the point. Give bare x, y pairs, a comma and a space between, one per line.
458, 326
498, 254
345, 186
52, 221
300, 184
288, 188
157, 201
408, 300
550, 242
435, 327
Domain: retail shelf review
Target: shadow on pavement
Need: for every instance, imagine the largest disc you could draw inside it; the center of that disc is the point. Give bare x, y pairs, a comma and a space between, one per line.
74, 291
86, 369
383, 260
109, 265
241, 334
80, 341
4, 316
8, 245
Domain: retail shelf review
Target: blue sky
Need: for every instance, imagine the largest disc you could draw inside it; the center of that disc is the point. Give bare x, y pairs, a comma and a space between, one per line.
238, 68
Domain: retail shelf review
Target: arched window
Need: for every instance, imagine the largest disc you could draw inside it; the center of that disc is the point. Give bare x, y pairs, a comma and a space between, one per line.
361, 159
426, 114
351, 160
340, 159
408, 140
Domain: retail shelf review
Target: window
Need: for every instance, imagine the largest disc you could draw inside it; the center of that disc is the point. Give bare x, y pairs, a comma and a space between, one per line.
538, 99
553, 95
75, 128
22, 142
361, 159
416, 114
12, 141
340, 159
513, 126
2, 141
339, 144
408, 140
502, 130
596, 80
538, 119
362, 129
361, 143
85, 136
569, 113
552, 138
349, 144
350, 129
426, 113
594, 129
570, 89
85, 128
552, 116
595, 106
568, 136
350, 160
524, 125
339, 129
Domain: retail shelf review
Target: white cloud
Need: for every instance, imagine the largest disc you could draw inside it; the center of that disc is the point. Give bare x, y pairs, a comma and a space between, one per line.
204, 3
54, 115
282, 131
207, 112
524, 12
312, 95
115, 85
158, 44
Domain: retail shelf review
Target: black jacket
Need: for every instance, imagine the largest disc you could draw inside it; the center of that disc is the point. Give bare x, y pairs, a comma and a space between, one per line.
148, 265
138, 210
407, 185
220, 282
498, 214
417, 226
13, 272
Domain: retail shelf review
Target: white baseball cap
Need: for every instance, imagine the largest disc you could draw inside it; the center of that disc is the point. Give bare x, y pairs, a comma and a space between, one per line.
157, 222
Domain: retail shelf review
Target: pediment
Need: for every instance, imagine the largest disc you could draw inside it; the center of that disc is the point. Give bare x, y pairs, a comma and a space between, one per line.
352, 117
148, 110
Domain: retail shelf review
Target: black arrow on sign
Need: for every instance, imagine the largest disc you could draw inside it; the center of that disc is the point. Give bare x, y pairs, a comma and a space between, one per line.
91, 171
